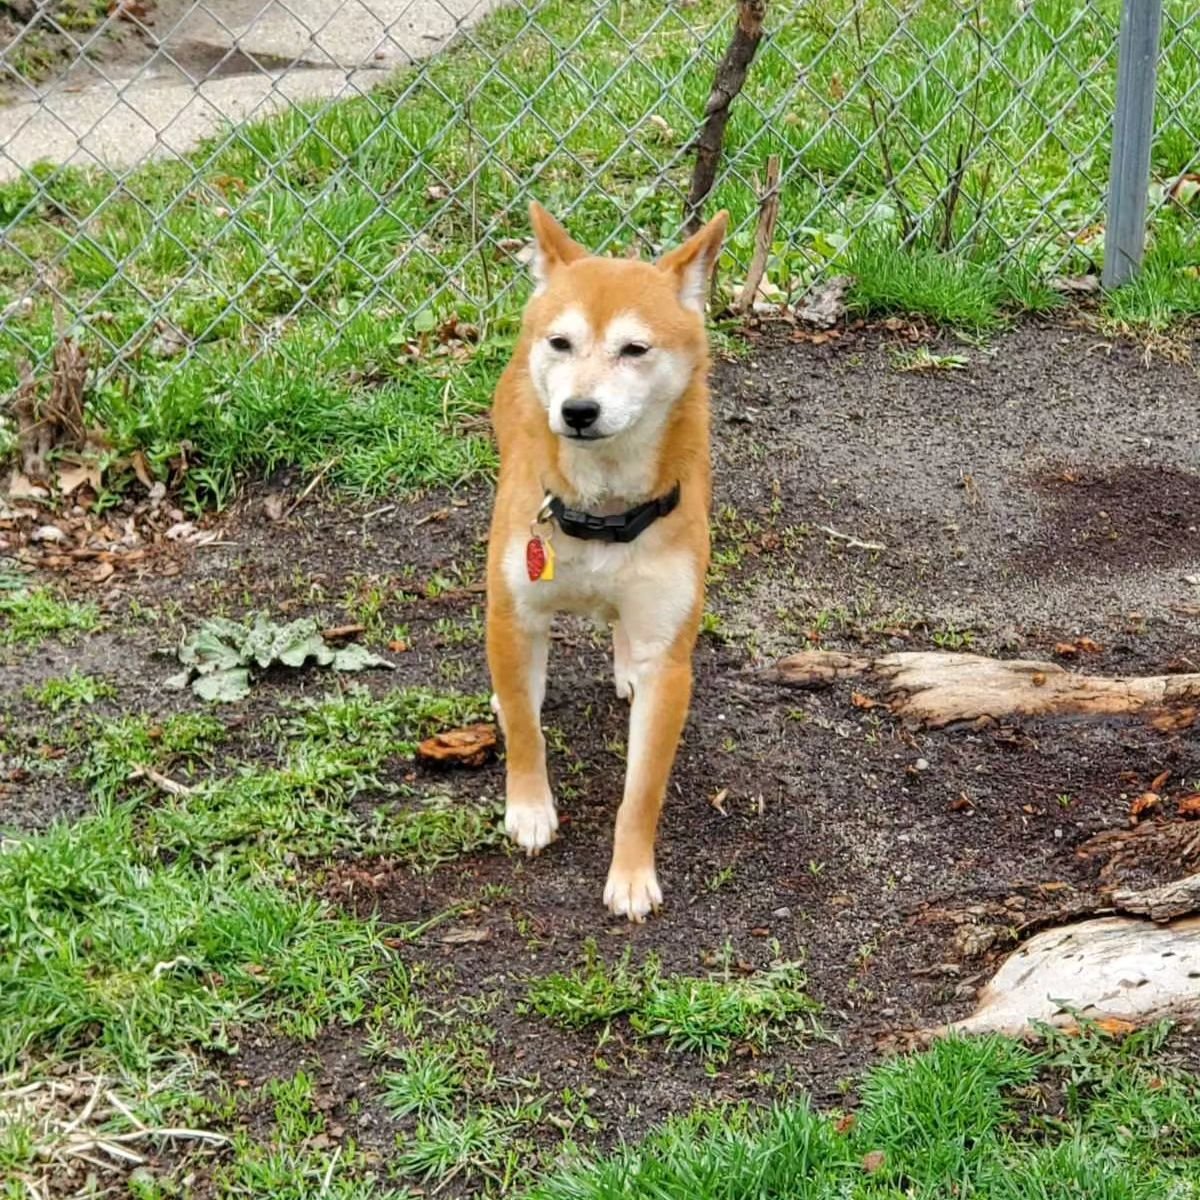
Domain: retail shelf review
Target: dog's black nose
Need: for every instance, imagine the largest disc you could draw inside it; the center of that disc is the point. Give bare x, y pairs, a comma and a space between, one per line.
579, 414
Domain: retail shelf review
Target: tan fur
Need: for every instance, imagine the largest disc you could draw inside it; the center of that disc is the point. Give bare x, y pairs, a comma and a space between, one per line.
651, 590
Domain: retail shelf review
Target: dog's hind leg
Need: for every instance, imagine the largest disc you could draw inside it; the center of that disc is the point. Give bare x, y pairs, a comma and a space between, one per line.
517, 652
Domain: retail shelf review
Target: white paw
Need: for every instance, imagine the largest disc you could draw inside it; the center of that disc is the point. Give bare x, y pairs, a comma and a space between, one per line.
495, 703
633, 894
624, 685
531, 826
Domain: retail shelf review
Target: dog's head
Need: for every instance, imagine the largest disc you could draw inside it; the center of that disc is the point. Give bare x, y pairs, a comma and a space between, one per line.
614, 343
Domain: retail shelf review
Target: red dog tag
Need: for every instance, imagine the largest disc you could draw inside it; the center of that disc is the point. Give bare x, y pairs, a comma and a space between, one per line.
539, 560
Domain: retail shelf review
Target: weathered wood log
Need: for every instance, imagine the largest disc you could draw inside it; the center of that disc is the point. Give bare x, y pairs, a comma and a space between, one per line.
937, 689
1163, 903
731, 75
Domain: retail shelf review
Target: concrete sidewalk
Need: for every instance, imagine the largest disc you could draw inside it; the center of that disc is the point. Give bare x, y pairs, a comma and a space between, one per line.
218, 62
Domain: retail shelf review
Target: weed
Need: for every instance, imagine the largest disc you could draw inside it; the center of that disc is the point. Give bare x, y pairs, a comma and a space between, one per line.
71, 691
31, 616
483, 1143
707, 1016
923, 359
949, 638
426, 1082
594, 992
701, 1015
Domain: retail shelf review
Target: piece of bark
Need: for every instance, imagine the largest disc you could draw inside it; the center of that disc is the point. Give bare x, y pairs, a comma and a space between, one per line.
1163, 903
936, 689
730, 76
471, 746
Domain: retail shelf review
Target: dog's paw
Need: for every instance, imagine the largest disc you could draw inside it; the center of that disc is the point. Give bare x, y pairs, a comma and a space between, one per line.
531, 825
633, 894
624, 685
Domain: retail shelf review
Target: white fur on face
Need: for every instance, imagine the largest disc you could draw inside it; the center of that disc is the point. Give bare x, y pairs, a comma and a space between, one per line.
634, 393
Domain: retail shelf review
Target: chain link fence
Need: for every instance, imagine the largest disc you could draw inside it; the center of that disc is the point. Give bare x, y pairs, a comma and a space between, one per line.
187, 185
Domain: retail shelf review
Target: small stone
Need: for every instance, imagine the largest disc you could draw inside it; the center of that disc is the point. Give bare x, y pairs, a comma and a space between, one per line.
48, 533
782, 914
922, 764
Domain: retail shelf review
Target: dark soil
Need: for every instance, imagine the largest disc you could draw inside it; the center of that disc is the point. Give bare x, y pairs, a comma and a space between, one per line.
1050, 491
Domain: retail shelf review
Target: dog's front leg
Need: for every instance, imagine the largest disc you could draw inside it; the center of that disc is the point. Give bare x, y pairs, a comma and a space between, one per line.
662, 685
517, 649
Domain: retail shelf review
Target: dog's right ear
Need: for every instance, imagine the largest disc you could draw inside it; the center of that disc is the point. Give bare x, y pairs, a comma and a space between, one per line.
553, 247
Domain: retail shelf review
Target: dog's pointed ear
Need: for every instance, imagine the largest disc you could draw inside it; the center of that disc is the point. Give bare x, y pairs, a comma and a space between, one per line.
692, 263
553, 247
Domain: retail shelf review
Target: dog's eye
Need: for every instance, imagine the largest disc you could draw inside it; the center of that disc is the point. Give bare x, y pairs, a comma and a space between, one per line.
634, 349
559, 343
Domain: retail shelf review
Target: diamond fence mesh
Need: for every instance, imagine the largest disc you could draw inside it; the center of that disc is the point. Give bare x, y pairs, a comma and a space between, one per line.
191, 186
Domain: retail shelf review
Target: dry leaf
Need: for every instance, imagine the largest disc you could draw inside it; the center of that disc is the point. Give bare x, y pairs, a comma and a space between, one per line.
468, 747
861, 701
873, 1161
964, 803
1088, 646
845, 1123
21, 487
1174, 720
71, 478
718, 802
1159, 782
274, 506
463, 937
141, 468
1066, 649
1189, 805
1143, 804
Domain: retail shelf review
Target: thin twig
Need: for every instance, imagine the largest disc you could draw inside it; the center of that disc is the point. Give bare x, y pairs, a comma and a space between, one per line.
851, 541
312, 483
768, 213
140, 771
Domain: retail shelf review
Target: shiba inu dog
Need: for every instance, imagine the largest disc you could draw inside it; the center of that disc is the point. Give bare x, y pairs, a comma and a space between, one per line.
602, 509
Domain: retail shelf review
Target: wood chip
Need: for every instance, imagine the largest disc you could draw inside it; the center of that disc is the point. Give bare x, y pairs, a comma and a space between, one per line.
471, 746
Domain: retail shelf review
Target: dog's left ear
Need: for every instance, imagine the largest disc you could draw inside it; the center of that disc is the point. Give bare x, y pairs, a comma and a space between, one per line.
553, 247
692, 263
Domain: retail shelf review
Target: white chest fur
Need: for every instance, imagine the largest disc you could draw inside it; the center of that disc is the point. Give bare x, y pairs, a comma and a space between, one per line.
646, 584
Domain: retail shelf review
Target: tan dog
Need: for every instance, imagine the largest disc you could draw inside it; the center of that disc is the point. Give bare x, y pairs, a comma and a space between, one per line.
602, 509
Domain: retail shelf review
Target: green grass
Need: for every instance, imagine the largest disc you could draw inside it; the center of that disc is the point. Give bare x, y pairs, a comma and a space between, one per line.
71, 691
150, 927
138, 960
966, 1119
705, 1015
425, 1082
287, 253
297, 799
34, 615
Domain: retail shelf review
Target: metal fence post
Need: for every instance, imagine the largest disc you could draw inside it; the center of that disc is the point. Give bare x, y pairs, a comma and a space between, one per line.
1133, 131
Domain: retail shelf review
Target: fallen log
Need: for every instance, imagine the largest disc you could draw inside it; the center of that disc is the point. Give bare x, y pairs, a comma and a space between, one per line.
1163, 903
936, 689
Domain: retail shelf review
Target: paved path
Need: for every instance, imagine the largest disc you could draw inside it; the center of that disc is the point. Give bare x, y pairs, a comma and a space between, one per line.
222, 61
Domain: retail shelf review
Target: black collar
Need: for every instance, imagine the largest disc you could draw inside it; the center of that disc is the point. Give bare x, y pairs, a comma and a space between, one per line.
620, 527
